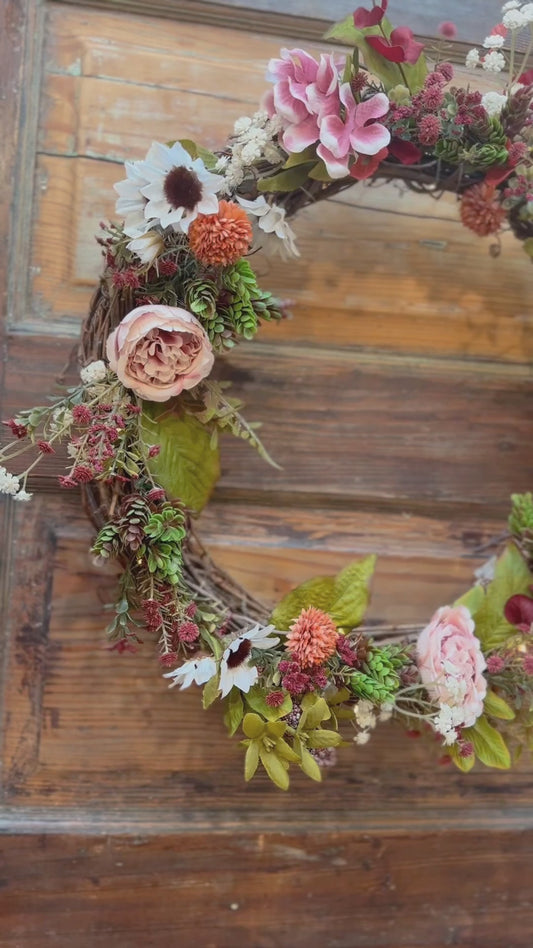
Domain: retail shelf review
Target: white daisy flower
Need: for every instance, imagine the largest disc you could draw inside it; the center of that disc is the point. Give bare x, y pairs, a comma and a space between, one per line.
271, 219
178, 187
131, 203
147, 246
197, 670
235, 667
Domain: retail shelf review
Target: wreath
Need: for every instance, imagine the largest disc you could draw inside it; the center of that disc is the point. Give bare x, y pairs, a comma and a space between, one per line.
142, 425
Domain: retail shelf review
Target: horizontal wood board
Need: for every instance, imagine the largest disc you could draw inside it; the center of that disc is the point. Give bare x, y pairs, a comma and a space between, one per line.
339, 889
389, 270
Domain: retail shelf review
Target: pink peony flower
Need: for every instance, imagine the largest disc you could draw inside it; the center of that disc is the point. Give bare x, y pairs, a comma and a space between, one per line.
157, 351
451, 663
339, 138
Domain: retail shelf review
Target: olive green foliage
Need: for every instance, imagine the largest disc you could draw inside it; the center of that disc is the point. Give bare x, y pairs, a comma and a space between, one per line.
345, 596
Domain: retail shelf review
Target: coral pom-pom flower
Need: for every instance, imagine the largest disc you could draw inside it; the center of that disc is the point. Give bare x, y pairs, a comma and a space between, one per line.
218, 240
312, 637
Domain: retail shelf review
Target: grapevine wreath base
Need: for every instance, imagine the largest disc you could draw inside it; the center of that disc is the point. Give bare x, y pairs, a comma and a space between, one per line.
142, 425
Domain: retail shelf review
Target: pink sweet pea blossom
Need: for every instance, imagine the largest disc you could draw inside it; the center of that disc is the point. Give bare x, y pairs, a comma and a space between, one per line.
304, 92
401, 48
363, 19
339, 138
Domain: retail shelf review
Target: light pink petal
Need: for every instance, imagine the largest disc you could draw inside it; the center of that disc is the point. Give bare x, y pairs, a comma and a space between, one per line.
336, 167
372, 108
305, 66
327, 77
288, 107
335, 136
370, 139
298, 137
322, 105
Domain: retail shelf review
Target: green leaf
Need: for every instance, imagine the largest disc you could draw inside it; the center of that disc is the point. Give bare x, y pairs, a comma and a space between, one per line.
496, 707
198, 151
511, 576
288, 180
322, 738
472, 599
488, 743
285, 752
352, 591
234, 711
210, 691
187, 466
389, 73
314, 711
464, 764
320, 173
298, 158
255, 698
253, 726
339, 697
319, 592
310, 766
274, 768
251, 760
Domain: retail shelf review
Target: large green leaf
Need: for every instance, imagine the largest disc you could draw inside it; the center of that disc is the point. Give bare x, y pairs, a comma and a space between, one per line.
344, 597
319, 592
496, 707
488, 743
390, 73
198, 151
511, 576
288, 180
275, 768
352, 592
462, 763
234, 711
187, 465
256, 699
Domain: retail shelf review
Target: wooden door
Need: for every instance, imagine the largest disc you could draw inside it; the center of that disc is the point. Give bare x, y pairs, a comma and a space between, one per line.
398, 403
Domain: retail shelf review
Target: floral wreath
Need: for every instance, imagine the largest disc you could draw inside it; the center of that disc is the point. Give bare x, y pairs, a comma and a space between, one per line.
141, 427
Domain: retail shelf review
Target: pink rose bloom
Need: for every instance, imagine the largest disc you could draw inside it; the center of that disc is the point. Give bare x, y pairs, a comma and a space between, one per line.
451, 663
157, 351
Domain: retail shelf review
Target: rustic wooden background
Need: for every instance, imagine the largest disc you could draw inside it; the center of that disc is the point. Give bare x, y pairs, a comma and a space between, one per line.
398, 401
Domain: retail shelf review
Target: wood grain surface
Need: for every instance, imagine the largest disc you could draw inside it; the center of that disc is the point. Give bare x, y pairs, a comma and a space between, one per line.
398, 402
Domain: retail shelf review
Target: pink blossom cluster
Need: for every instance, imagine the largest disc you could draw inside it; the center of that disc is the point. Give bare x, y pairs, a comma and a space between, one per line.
316, 106
95, 447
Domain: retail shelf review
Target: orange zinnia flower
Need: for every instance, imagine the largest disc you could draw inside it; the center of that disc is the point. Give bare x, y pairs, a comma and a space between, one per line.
217, 240
312, 637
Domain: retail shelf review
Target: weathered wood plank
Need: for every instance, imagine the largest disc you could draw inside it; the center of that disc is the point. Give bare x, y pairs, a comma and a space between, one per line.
268, 890
387, 274
114, 743
350, 428
305, 20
